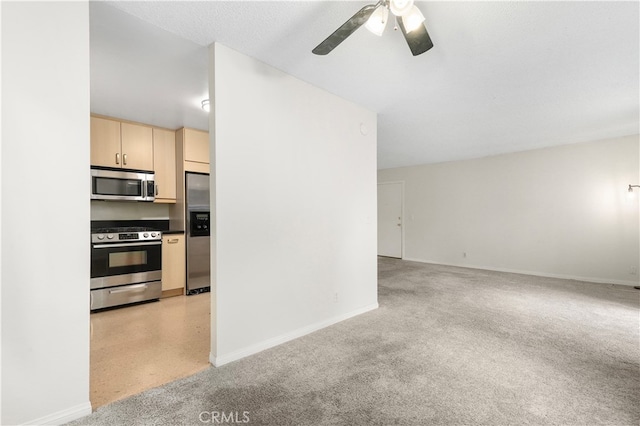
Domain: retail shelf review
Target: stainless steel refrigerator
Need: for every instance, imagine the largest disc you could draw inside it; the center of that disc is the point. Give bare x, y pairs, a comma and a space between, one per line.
198, 233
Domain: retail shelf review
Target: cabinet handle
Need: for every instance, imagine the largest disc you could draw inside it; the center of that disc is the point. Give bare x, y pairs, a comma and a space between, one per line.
124, 159
173, 241
117, 158
156, 190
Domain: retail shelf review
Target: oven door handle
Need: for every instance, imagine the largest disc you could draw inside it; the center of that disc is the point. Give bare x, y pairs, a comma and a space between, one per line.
148, 243
129, 288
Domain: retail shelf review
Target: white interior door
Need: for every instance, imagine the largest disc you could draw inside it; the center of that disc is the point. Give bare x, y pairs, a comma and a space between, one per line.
390, 219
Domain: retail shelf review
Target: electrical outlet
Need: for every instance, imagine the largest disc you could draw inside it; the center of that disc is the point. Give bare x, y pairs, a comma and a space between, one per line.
633, 270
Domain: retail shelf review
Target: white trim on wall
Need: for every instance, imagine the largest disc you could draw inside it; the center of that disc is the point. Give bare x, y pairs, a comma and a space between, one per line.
286, 337
533, 273
63, 416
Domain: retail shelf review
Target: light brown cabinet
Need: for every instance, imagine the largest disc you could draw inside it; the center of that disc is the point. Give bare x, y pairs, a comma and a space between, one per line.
192, 155
105, 142
173, 265
195, 145
164, 165
137, 146
121, 145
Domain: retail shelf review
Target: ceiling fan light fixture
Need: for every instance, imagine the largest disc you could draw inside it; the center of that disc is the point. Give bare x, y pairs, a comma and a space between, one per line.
400, 7
378, 20
418, 40
413, 19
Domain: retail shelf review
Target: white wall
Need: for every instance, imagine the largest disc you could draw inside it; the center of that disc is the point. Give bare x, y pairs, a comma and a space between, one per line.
45, 164
556, 212
295, 205
1, 219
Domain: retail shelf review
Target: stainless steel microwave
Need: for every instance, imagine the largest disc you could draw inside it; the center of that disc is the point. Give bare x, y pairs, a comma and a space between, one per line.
121, 184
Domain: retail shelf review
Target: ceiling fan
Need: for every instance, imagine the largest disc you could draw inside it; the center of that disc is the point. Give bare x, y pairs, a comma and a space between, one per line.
375, 16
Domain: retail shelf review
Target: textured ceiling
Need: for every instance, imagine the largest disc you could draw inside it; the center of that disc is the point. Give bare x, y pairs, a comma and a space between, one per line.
502, 77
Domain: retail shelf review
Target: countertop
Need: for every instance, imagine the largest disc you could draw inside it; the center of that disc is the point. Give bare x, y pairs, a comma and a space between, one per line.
173, 231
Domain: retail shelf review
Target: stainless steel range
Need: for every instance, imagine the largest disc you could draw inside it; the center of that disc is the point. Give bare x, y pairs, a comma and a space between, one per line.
126, 266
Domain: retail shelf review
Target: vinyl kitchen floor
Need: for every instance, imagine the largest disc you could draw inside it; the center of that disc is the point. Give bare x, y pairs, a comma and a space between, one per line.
144, 346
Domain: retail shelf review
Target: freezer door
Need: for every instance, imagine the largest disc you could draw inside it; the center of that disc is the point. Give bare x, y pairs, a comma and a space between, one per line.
197, 187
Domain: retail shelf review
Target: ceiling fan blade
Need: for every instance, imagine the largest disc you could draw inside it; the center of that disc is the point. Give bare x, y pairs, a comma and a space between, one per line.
418, 39
345, 30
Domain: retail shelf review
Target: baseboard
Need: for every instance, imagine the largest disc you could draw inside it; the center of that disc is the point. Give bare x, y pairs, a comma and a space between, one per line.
63, 416
533, 273
278, 340
173, 292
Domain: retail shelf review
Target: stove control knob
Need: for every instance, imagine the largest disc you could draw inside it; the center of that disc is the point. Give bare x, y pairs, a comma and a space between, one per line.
153, 235
100, 237
110, 236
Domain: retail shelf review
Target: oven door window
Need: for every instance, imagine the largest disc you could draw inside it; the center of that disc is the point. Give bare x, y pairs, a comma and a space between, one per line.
127, 258
114, 186
108, 261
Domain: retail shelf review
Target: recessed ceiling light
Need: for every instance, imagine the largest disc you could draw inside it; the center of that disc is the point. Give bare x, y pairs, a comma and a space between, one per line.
205, 105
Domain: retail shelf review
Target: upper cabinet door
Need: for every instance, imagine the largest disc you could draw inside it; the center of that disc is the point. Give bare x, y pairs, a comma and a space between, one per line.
105, 142
196, 146
137, 147
164, 163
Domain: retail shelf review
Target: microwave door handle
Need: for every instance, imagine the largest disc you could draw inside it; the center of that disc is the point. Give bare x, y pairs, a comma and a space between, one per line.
151, 189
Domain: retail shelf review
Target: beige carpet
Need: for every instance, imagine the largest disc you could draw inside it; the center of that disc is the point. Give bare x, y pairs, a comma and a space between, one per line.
447, 346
